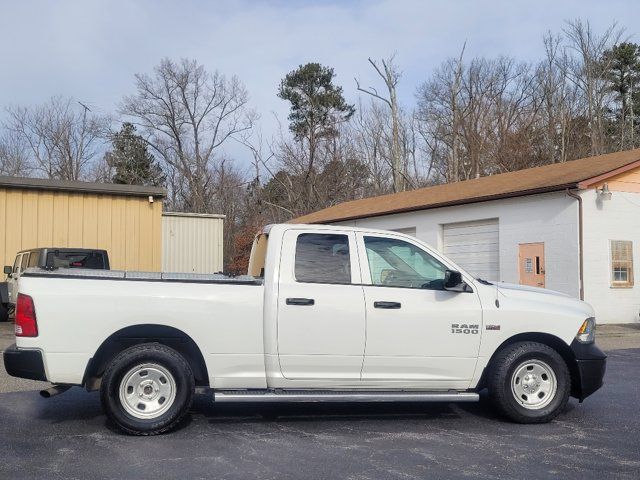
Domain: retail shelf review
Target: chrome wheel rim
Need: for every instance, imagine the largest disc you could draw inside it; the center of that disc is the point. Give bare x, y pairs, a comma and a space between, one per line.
147, 391
534, 384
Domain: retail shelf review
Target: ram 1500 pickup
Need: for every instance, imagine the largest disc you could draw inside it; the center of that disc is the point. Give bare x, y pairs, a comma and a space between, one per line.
327, 313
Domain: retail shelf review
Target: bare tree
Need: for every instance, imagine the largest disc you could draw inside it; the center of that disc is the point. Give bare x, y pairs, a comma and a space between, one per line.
587, 71
188, 116
562, 107
391, 76
14, 156
440, 113
479, 118
62, 136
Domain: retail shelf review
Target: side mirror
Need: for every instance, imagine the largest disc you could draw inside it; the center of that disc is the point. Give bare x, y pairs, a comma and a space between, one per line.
453, 281
8, 269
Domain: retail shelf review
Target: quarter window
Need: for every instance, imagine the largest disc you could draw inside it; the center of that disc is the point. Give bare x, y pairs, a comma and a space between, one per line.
396, 263
323, 258
25, 260
621, 263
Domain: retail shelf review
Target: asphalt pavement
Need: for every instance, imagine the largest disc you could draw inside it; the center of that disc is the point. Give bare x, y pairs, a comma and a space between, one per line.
68, 436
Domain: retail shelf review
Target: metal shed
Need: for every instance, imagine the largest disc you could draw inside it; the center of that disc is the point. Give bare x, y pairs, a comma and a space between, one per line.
125, 220
192, 242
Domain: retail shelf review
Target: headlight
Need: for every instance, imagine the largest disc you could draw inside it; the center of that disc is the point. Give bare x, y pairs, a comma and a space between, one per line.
587, 332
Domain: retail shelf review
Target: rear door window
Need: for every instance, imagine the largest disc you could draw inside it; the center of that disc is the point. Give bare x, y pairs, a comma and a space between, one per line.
92, 260
323, 258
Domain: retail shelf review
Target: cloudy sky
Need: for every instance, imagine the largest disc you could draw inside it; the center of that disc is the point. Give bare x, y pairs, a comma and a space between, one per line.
90, 50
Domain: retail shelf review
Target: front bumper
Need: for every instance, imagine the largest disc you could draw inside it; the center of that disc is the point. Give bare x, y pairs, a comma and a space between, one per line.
24, 363
591, 364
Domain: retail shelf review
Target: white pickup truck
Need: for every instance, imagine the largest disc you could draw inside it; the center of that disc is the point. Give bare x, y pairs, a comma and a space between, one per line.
326, 313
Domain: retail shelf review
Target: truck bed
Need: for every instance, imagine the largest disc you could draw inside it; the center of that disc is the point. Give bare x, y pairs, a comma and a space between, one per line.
141, 276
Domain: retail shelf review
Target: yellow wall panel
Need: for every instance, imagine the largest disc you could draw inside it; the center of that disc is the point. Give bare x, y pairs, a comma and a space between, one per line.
45, 219
132, 215
13, 225
104, 222
60, 220
3, 223
145, 254
90, 221
129, 228
29, 220
118, 234
76, 212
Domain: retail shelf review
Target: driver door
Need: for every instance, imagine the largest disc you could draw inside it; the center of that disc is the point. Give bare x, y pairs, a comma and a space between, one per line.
413, 324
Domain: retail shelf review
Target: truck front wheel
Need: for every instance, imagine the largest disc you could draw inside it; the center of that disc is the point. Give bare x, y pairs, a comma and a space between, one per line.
529, 382
147, 389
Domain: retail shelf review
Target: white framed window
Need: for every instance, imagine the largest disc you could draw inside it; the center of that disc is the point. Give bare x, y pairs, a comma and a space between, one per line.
621, 263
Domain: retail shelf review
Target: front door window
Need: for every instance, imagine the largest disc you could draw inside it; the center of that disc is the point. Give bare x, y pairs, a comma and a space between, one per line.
396, 263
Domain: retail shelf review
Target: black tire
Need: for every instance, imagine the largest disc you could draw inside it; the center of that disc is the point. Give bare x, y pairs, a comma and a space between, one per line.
4, 313
165, 358
501, 375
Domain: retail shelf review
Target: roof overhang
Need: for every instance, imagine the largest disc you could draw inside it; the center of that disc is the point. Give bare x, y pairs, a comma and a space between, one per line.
193, 215
591, 182
81, 187
466, 201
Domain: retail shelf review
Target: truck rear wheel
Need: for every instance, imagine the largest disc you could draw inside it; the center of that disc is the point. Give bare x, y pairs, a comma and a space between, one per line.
529, 382
147, 389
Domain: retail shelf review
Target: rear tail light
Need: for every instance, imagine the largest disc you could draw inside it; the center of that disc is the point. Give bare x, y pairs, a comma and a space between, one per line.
26, 323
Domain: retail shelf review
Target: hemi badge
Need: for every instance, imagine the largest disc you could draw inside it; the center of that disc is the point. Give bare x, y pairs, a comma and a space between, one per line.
493, 327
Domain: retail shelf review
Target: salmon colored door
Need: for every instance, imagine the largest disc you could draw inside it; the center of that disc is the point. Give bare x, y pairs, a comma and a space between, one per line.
531, 264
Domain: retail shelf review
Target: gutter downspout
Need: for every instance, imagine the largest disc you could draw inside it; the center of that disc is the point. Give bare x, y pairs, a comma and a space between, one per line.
580, 240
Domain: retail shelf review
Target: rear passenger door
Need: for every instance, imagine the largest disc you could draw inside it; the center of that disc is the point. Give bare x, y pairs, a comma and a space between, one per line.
321, 311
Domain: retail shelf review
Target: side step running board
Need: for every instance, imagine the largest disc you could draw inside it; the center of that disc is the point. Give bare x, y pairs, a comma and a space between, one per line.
341, 396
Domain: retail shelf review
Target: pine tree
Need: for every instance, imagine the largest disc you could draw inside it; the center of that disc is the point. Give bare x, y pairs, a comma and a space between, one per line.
131, 160
623, 74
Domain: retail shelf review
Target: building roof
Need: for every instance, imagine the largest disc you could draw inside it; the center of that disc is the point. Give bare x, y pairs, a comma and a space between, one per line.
583, 173
81, 187
193, 215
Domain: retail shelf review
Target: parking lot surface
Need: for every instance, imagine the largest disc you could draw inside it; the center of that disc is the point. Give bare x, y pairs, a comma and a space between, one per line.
68, 436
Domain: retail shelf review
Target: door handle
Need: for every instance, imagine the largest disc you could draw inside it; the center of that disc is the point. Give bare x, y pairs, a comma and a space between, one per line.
387, 305
300, 301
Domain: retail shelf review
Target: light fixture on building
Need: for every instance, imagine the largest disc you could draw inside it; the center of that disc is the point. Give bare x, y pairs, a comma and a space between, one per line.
604, 193
151, 198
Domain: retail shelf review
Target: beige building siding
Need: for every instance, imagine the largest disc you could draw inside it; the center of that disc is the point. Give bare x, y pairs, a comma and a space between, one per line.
624, 182
128, 227
192, 243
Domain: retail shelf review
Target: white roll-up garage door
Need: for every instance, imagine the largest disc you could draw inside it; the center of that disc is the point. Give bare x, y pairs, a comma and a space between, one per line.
474, 246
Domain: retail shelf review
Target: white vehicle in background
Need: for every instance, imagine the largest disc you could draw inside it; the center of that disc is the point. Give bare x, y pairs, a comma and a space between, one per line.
45, 258
328, 313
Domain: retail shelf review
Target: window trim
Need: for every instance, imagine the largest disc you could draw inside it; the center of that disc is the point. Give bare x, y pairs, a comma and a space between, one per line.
629, 283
